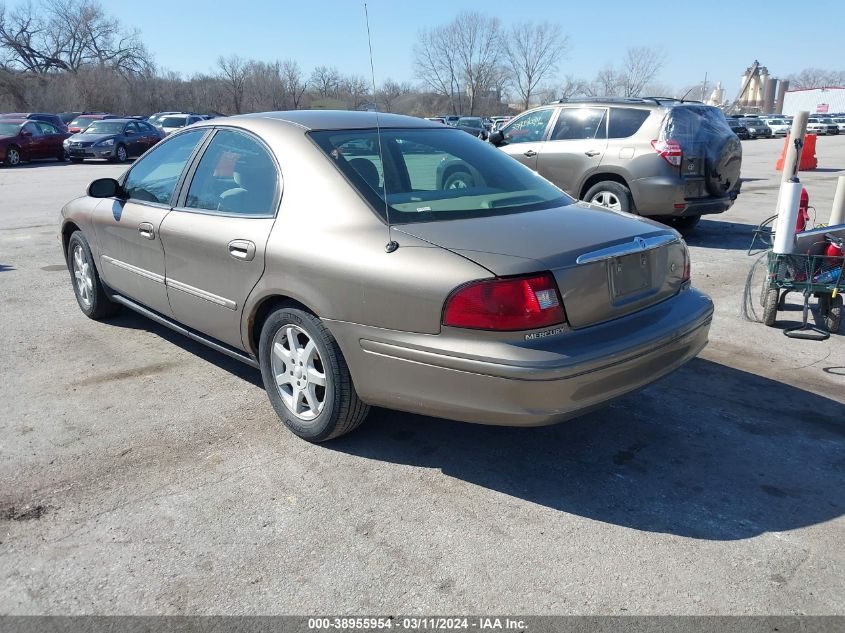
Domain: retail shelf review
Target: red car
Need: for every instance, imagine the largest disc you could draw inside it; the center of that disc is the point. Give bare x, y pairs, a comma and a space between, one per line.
83, 121
23, 139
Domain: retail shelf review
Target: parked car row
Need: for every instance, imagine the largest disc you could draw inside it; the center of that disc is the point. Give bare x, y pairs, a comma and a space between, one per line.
77, 136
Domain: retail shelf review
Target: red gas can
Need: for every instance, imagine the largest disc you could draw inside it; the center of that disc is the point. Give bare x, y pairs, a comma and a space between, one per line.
803, 211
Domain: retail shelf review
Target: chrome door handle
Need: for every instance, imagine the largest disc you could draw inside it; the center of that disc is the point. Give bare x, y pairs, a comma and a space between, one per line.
592, 152
243, 250
146, 230
530, 153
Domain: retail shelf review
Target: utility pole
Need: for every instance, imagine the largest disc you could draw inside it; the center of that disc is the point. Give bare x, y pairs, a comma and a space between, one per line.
704, 88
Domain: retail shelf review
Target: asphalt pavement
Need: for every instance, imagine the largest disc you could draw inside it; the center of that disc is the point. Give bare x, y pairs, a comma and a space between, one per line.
143, 473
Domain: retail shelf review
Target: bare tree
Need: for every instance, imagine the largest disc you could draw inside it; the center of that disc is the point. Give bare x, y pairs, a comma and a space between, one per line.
68, 35
357, 90
640, 66
607, 83
326, 81
390, 91
233, 72
436, 63
817, 78
532, 51
478, 42
295, 85
573, 87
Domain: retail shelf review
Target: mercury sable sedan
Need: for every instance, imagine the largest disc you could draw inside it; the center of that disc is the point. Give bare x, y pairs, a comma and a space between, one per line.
358, 278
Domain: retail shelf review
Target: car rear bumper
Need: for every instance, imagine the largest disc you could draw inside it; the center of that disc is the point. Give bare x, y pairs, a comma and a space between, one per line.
543, 381
90, 152
673, 196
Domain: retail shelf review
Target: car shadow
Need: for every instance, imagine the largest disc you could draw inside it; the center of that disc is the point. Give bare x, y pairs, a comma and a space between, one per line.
719, 234
710, 453
131, 320
6, 267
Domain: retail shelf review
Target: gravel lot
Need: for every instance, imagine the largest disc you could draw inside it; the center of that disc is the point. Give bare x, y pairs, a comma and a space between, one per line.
142, 473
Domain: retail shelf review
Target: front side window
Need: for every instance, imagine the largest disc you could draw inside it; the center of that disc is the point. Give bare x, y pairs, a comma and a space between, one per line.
154, 177
528, 127
236, 176
579, 123
435, 174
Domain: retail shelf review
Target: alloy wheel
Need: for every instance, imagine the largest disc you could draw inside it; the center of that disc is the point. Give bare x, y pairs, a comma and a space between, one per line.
299, 372
82, 274
13, 156
607, 199
121, 154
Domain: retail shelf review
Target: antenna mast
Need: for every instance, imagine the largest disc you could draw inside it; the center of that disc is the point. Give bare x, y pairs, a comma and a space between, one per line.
391, 245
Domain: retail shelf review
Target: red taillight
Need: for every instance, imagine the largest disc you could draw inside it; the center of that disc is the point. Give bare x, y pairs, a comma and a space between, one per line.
670, 151
523, 303
687, 264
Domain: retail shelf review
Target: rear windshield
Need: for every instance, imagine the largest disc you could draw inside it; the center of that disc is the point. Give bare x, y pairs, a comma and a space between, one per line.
688, 124
105, 127
435, 174
174, 121
9, 129
775, 122
82, 122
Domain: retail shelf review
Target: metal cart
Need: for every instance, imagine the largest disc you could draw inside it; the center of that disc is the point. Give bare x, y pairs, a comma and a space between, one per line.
816, 275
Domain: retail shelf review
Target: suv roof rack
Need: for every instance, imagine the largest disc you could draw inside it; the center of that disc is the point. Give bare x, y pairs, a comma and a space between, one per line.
655, 100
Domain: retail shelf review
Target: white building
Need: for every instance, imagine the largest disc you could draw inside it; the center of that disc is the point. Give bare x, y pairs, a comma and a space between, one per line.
815, 100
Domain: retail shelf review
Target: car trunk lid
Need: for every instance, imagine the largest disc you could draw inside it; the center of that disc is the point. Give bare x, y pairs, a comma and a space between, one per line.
606, 263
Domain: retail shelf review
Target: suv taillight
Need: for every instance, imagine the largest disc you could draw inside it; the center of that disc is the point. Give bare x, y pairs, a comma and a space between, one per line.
670, 151
520, 303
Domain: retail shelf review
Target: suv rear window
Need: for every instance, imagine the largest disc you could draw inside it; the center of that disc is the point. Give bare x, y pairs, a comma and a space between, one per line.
625, 122
694, 124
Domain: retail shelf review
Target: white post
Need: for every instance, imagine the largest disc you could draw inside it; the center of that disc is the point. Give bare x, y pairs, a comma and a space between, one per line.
793, 153
837, 214
790, 197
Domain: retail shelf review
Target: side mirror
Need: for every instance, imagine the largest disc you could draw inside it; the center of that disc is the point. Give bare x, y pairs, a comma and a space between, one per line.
26, 133
129, 132
497, 137
106, 188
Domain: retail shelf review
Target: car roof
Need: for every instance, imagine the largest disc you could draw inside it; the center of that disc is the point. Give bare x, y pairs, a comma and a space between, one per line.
337, 119
120, 120
17, 120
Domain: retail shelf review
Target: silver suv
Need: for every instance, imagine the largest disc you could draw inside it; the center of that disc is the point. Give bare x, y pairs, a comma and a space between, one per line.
674, 161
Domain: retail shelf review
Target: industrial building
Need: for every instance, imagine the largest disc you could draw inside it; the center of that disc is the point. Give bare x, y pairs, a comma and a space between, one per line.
815, 100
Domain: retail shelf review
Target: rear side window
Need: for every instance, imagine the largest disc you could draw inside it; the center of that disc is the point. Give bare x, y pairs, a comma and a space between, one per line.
236, 176
154, 177
579, 123
625, 122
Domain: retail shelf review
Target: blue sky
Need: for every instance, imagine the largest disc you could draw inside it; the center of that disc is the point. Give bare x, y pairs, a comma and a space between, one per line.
697, 37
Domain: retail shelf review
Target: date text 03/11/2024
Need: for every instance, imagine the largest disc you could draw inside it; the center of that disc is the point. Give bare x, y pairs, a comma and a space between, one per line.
417, 623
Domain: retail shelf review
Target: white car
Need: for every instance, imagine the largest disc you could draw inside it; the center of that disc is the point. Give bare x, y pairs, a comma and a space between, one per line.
840, 121
173, 122
815, 126
780, 127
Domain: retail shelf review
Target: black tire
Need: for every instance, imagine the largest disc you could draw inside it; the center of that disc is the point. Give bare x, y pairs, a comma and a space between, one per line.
683, 224
13, 156
97, 305
62, 157
610, 190
459, 180
831, 310
120, 154
75, 159
342, 410
770, 307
